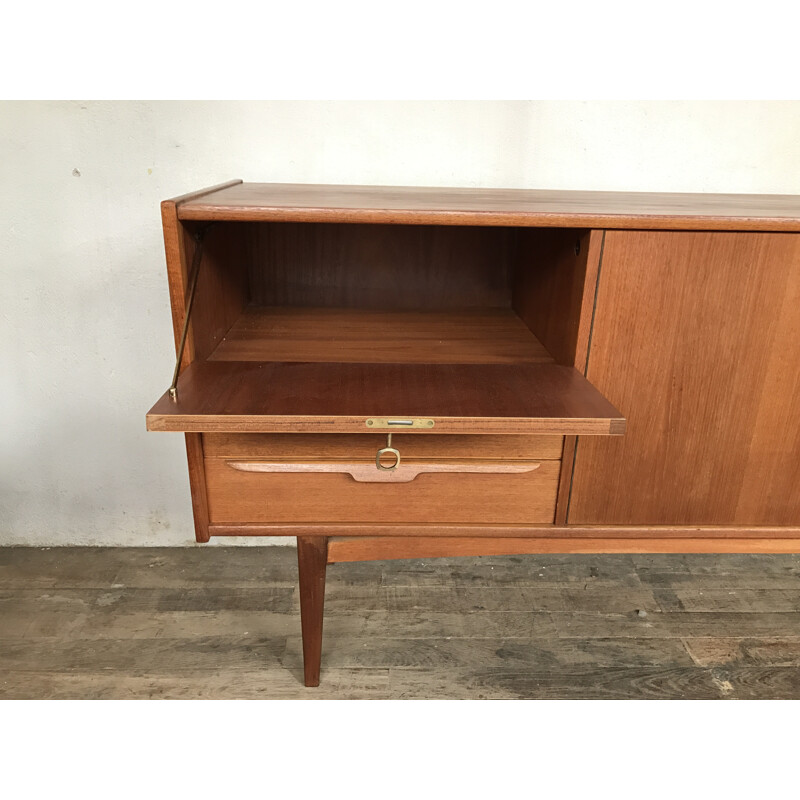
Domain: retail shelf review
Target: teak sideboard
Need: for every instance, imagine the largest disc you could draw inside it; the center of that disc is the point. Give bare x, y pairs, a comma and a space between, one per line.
395, 372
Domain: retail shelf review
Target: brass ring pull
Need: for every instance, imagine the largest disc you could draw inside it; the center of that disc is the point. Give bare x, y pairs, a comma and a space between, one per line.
387, 449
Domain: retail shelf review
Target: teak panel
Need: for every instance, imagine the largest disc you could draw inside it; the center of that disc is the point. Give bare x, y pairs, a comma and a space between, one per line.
312, 558
718, 536
365, 445
197, 485
696, 339
250, 397
222, 290
388, 547
553, 287
475, 206
488, 336
235, 497
382, 267
210, 321
179, 250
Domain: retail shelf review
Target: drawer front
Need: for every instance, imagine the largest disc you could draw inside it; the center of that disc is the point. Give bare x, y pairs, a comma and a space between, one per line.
364, 446
342, 491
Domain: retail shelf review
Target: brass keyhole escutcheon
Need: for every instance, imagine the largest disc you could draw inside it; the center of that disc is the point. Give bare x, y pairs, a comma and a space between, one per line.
383, 451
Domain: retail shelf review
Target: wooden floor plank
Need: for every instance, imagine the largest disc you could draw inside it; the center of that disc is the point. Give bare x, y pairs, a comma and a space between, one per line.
231, 653
425, 624
178, 567
120, 600
146, 625
265, 683
647, 683
76, 567
587, 597
344, 684
715, 652
715, 562
742, 600
680, 625
682, 567
222, 622
613, 571
502, 654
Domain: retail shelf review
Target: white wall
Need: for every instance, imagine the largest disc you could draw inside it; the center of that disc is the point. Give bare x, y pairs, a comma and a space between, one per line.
86, 344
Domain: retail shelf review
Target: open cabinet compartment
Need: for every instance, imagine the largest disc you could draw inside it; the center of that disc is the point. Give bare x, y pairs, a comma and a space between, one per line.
320, 327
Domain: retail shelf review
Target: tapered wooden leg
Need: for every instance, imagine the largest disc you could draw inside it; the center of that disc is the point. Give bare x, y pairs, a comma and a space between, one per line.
312, 559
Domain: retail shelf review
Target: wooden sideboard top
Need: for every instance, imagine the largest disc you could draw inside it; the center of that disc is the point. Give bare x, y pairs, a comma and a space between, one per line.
476, 206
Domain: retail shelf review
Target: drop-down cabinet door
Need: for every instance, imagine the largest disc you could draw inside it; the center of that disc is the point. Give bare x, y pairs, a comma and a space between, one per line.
250, 397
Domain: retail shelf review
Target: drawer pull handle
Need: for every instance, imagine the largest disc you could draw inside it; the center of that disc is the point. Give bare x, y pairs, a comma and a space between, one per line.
366, 473
388, 449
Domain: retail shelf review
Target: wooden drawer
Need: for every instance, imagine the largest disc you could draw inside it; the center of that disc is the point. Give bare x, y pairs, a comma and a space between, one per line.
364, 445
236, 497
276, 479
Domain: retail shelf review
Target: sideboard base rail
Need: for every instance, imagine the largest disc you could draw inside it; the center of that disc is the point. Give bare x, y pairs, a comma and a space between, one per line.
646, 533
379, 548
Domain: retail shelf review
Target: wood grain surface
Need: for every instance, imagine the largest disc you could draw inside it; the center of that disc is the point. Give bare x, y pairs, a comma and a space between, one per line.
696, 340
388, 547
179, 250
312, 553
332, 497
224, 622
197, 485
721, 538
554, 281
480, 336
475, 206
179, 246
222, 292
378, 267
565, 479
365, 445
248, 397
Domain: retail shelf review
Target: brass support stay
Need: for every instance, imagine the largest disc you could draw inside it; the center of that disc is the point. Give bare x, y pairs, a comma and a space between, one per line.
194, 272
387, 449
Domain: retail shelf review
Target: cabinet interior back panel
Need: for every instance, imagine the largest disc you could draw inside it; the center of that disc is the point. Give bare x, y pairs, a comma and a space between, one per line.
403, 267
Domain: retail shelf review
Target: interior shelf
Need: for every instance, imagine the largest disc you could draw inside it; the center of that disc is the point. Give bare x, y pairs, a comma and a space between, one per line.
473, 336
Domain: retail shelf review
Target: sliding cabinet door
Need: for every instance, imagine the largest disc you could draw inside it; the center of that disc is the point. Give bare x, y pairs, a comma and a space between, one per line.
696, 339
